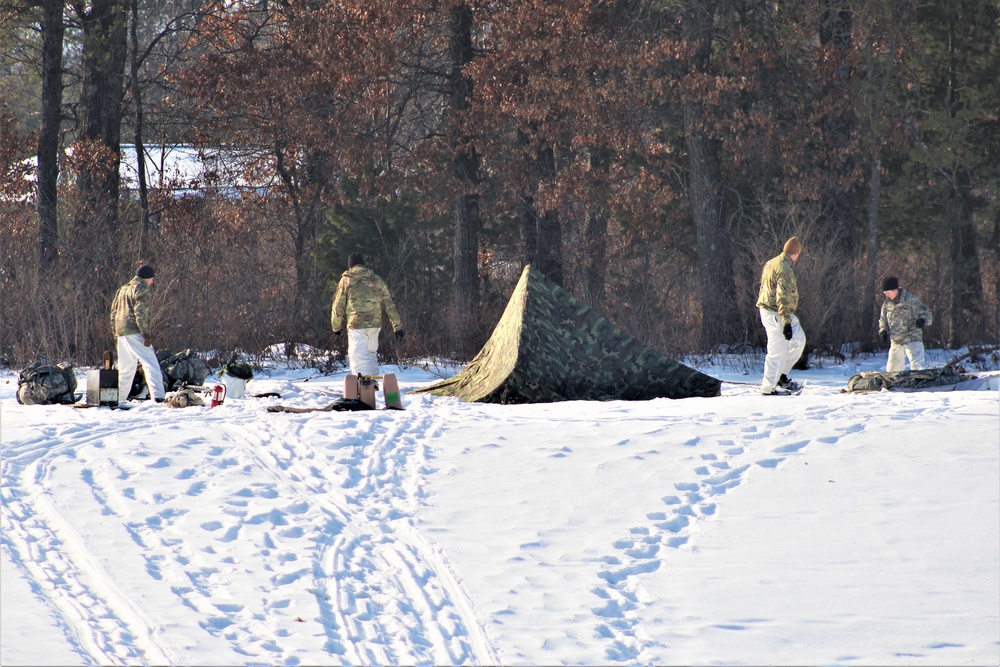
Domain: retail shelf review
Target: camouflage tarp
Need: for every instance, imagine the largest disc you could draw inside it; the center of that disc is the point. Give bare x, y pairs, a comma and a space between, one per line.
929, 379
548, 346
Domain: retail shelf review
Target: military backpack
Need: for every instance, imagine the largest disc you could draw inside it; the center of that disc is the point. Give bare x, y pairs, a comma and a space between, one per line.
41, 384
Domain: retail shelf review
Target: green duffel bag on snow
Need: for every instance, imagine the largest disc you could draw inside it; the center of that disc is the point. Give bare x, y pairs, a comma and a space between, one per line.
238, 369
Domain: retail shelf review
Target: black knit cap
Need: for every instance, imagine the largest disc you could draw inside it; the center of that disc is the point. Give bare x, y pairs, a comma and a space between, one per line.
145, 271
890, 284
354, 259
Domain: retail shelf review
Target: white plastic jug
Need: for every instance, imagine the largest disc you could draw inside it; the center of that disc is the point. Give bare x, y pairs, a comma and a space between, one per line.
235, 387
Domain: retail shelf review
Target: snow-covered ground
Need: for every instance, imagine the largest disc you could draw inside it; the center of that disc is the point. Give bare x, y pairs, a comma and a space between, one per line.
828, 528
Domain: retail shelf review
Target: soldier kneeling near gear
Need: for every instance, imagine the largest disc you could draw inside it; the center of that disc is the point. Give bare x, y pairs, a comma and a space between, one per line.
901, 325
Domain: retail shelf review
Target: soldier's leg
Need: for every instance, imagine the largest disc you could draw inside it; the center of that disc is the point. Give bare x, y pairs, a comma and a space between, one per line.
777, 348
795, 346
127, 362
915, 352
897, 358
362, 349
371, 361
151, 369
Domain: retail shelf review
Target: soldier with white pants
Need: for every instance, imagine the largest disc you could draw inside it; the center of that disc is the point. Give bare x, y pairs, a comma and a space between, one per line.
362, 345
358, 303
777, 300
130, 322
901, 324
782, 352
133, 351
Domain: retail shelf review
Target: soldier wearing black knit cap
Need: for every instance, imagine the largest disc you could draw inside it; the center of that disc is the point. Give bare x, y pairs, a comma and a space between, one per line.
901, 325
130, 322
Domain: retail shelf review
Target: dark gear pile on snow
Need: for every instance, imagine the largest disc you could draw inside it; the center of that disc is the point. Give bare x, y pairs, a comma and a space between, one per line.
183, 368
41, 383
928, 378
176, 369
238, 369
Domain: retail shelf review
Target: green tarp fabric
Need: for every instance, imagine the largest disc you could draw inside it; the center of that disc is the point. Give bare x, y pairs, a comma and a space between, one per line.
548, 346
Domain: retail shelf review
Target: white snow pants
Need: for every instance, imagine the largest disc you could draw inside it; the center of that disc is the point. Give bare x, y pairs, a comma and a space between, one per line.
362, 350
781, 354
132, 351
899, 353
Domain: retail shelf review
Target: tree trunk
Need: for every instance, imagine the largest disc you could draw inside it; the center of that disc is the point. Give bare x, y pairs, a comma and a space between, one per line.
595, 230
996, 276
528, 222
467, 225
595, 241
466, 170
548, 252
868, 326
140, 149
312, 213
715, 258
48, 136
103, 64
838, 208
548, 236
966, 277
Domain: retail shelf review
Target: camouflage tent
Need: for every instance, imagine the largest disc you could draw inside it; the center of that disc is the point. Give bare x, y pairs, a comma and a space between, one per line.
548, 346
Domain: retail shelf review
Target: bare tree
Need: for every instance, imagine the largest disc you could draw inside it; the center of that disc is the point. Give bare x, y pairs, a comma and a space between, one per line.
48, 134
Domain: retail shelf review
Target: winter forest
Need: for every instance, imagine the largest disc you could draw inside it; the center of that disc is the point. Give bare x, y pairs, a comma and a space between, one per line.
647, 155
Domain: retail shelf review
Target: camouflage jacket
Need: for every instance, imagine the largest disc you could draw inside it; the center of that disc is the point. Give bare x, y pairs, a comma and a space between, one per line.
899, 318
130, 309
778, 290
359, 300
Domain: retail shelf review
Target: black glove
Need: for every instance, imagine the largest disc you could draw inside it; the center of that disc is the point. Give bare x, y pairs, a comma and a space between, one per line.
884, 336
400, 334
788, 331
920, 323
147, 340
337, 332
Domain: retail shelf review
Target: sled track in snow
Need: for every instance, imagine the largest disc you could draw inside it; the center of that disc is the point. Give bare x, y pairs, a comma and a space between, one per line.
384, 594
50, 550
327, 506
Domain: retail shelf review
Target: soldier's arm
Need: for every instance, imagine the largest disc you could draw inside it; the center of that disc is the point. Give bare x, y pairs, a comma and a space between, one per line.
390, 308
141, 310
339, 310
782, 295
925, 313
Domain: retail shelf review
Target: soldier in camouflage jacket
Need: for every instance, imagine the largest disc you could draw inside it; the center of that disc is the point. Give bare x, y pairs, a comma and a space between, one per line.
777, 301
130, 321
358, 303
901, 324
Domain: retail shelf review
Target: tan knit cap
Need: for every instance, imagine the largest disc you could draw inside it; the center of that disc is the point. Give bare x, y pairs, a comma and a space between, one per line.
793, 246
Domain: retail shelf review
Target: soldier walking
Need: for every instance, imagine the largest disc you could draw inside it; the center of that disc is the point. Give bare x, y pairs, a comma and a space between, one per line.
358, 303
130, 321
778, 300
901, 325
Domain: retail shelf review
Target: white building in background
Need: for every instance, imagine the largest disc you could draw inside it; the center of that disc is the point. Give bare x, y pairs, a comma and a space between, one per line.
188, 170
